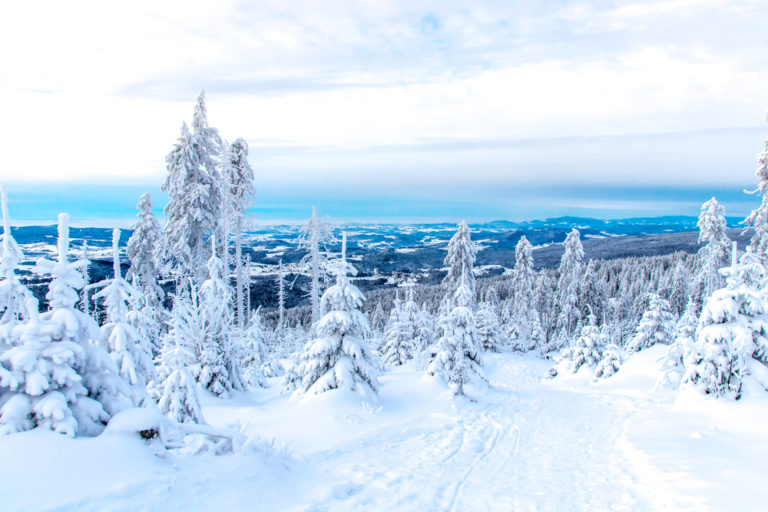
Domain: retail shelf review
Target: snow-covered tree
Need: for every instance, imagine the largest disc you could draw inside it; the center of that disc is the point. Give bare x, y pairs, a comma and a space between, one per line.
677, 287
610, 363
732, 331
488, 325
239, 192
177, 397
56, 378
460, 260
586, 349
339, 357
523, 325
85, 299
146, 307
217, 368
673, 364
314, 235
523, 275
280, 298
130, 352
656, 325
194, 204
592, 293
400, 335
758, 218
716, 251
13, 295
141, 250
253, 352
457, 353
567, 291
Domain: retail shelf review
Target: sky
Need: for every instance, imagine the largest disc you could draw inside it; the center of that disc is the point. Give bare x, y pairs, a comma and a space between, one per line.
396, 110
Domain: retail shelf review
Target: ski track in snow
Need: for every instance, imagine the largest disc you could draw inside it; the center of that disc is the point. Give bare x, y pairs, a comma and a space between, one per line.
526, 445
515, 451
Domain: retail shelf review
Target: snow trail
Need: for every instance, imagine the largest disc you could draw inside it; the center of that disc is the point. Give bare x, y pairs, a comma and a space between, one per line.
525, 446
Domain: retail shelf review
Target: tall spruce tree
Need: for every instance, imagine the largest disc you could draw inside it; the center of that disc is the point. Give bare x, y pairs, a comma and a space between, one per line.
567, 291
457, 353
194, 204
716, 248
460, 261
313, 236
239, 192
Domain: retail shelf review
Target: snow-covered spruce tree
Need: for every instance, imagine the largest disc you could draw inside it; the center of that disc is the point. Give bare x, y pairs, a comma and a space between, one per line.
656, 325
378, 319
592, 293
217, 368
610, 363
544, 294
457, 352
460, 260
489, 334
732, 331
253, 354
673, 364
567, 291
193, 211
678, 286
239, 192
521, 316
425, 337
339, 357
177, 397
280, 299
716, 251
586, 349
130, 352
147, 314
758, 218
13, 294
56, 378
85, 299
175, 389
314, 234
400, 335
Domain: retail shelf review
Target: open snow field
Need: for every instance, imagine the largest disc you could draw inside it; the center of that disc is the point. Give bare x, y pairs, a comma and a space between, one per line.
528, 443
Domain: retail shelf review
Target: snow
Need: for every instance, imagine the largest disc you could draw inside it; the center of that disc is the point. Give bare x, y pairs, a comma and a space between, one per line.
527, 442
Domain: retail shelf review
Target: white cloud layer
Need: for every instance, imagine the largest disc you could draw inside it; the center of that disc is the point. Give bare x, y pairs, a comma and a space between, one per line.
97, 90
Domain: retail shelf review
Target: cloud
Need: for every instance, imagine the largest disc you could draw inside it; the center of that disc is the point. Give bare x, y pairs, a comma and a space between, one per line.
381, 92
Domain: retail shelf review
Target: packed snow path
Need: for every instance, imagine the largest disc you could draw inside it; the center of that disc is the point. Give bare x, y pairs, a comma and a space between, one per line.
523, 447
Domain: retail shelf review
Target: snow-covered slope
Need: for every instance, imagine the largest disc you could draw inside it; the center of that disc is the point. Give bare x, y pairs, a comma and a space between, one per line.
525, 443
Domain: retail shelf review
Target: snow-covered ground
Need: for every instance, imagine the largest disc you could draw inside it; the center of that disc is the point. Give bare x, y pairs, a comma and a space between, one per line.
526, 443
